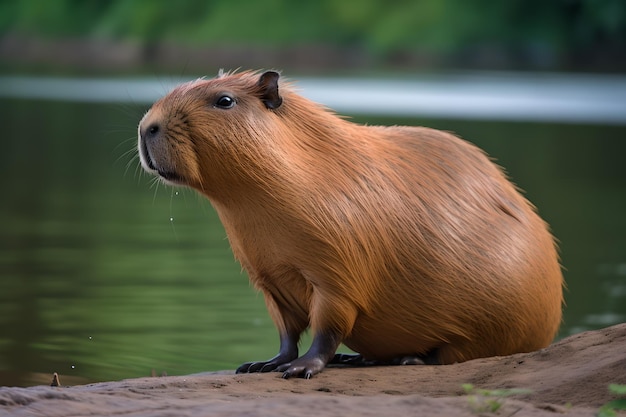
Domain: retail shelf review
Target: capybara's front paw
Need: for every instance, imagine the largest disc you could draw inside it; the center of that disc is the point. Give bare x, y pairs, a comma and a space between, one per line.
304, 366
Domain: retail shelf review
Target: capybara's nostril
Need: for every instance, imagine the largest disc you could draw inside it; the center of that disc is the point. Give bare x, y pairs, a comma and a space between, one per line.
151, 131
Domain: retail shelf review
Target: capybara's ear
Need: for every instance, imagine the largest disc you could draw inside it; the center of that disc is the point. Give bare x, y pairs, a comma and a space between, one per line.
268, 90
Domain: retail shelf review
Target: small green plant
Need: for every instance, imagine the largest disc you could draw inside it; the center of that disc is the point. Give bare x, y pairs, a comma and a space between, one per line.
489, 400
609, 409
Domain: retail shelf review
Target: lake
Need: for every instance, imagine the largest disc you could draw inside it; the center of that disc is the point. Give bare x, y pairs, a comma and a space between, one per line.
107, 274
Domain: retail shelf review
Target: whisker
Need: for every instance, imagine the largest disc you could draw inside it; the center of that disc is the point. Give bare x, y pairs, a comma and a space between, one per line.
156, 181
132, 152
139, 171
125, 142
134, 161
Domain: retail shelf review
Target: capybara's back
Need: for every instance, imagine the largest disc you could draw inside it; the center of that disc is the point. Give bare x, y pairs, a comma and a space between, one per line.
400, 242
465, 266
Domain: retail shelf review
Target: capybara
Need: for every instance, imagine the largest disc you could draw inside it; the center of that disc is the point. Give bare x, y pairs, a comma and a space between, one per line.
406, 244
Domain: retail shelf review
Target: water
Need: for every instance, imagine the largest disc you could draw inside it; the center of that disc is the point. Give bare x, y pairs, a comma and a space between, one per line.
569, 98
106, 274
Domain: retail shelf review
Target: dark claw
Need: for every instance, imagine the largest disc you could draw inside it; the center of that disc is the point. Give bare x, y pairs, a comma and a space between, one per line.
268, 367
285, 370
251, 367
245, 368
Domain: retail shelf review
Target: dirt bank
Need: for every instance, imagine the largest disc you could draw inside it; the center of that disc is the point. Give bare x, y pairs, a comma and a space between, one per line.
569, 378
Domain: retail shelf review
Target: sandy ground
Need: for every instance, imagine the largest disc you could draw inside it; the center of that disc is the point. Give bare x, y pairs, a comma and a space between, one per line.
568, 378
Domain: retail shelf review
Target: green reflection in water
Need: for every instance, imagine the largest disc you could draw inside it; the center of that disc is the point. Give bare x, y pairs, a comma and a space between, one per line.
107, 275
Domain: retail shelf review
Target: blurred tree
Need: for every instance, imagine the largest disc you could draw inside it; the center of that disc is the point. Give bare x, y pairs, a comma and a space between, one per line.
380, 27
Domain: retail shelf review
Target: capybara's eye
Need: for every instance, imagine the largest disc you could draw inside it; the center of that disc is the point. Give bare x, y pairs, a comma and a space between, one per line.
225, 102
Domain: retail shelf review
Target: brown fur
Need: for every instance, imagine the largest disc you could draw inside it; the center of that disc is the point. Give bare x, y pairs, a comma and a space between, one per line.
403, 240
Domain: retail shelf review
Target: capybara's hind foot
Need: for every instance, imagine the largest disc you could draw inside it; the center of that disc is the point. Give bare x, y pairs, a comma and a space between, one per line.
349, 359
358, 360
408, 360
431, 358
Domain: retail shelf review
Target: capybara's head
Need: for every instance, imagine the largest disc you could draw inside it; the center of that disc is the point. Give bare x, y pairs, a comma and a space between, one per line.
202, 130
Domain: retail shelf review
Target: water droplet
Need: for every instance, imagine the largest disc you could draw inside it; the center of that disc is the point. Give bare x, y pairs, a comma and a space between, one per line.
89, 337
73, 366
171, 219
176, 192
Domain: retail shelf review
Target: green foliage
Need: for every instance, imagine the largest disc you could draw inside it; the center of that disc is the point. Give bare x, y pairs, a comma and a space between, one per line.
489, 401
608, 409
381, 26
